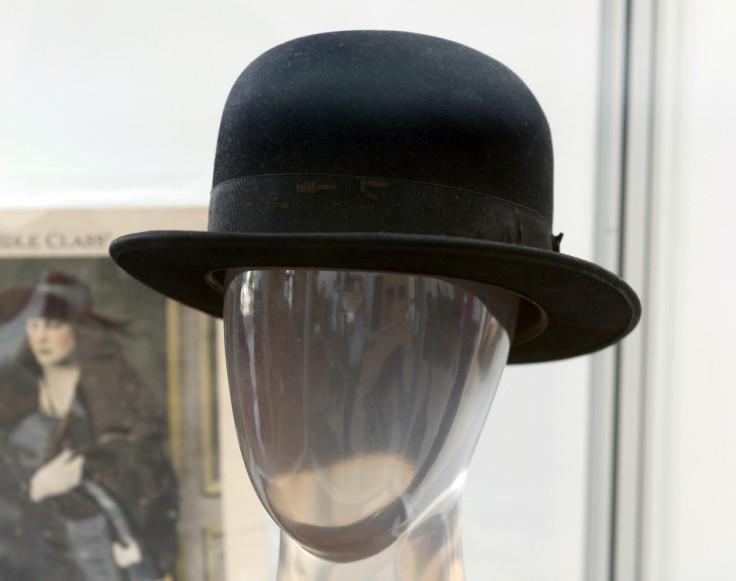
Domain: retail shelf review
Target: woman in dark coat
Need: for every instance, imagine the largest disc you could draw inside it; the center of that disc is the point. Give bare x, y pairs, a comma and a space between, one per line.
87, 492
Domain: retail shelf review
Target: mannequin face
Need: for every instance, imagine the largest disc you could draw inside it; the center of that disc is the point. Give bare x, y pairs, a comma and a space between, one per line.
359, 397
52, 341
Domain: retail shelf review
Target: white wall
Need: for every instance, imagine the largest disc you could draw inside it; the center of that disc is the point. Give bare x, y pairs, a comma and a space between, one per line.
690, 521
111, 103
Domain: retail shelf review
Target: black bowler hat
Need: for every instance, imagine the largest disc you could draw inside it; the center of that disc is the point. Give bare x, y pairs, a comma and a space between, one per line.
389, 151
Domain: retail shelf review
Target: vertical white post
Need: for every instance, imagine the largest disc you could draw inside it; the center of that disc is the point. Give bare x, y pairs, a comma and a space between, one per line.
623, 220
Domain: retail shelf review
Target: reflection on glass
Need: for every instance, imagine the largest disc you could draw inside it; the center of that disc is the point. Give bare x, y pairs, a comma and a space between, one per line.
359, 397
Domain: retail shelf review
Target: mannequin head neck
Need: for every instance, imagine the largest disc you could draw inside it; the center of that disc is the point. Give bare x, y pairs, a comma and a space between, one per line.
359, 397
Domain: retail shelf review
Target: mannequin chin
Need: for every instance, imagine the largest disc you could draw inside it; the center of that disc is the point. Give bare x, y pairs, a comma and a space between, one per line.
347, 511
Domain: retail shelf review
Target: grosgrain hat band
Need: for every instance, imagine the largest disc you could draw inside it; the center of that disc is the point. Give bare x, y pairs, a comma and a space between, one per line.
297, 203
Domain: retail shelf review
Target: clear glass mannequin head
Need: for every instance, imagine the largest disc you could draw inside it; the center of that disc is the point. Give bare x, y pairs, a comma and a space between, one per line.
358, 398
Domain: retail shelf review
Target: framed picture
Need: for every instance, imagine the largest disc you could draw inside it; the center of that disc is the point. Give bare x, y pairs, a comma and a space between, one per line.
111, 407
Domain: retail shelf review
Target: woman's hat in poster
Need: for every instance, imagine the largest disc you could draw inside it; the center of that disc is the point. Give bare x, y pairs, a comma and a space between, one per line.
56, 295
389, 151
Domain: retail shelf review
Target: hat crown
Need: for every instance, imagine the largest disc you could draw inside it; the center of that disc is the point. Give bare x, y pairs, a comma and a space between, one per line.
389, 105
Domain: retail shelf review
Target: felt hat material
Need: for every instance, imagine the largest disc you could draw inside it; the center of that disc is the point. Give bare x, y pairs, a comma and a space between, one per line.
390, 151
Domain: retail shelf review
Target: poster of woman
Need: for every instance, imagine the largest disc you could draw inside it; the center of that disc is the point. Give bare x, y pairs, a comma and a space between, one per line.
118, 458
86, 483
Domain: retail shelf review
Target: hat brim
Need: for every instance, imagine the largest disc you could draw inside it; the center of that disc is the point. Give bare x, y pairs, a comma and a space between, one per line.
585, 306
